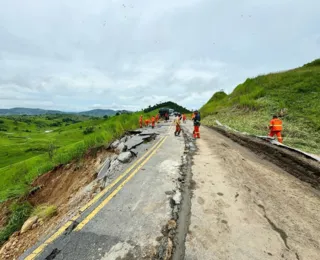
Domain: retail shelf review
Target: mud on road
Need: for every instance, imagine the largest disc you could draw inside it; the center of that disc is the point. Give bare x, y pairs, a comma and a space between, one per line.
245, 207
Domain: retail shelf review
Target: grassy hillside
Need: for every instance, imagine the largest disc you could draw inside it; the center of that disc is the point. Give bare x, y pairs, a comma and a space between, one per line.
23, 137
32, 145
293, 94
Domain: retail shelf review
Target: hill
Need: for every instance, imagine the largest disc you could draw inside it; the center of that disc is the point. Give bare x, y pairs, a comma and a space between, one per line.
38, 111
99, 112
27, 111
168, 104
294, 95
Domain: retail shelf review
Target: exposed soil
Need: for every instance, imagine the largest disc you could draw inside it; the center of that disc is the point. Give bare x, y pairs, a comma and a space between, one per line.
62, 187
300, 166
4, 212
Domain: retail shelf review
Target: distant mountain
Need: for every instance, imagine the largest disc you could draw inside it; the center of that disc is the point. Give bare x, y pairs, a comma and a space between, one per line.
27, 111
98, 112
37, 111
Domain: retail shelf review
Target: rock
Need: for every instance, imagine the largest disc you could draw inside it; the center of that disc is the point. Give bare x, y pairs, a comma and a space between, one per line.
125, 157
15, 234
115, 144
28, 224
35, 225
169, 250
134, 142
3, 249
134, 152
124, 139
171, 224
121, 148
177, 198
103, 170
113, 166
169, 192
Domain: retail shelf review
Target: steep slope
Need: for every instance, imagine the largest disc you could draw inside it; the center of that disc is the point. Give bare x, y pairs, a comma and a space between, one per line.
294, 95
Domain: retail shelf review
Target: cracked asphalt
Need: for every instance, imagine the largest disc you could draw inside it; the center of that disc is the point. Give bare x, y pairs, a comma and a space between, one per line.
129, 225
235, 205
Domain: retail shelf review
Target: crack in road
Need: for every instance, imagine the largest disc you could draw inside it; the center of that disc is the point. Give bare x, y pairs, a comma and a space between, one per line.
281, 232
184, 212
53, 254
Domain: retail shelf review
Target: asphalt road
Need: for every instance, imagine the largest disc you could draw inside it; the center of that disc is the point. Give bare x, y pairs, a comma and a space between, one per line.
127, 225
244, 207
235, 205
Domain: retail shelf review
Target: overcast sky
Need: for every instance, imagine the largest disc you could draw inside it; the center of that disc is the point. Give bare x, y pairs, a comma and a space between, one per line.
82, 54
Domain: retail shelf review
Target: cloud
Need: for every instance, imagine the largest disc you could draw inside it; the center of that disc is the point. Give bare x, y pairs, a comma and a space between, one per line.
122, 54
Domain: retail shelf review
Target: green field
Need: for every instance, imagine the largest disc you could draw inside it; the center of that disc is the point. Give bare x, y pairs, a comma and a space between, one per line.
293, 94
32, 145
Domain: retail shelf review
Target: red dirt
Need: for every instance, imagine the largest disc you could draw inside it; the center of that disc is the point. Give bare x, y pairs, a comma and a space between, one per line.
56, 187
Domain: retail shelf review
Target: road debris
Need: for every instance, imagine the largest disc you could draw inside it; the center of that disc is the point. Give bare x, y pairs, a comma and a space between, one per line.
125, 157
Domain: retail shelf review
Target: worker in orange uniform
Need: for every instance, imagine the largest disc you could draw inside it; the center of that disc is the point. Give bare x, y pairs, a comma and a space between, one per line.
178, 127
184, 118
276, 128
196, 123
141, 121
153, 121
146, 122
157, 118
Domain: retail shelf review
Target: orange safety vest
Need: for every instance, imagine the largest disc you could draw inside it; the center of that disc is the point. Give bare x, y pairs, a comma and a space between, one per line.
153, 119
275, 124
140, 120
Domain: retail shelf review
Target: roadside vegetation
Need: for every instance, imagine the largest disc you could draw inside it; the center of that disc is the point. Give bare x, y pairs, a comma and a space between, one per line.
294, 95
33, 145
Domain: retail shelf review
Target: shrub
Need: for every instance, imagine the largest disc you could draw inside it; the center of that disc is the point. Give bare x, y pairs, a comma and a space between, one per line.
45, 211
88, 130
51, 149
19, 214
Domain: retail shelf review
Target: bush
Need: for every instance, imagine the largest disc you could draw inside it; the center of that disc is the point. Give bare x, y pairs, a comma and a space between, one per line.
51, 149
45, 211
88, 130
20, 212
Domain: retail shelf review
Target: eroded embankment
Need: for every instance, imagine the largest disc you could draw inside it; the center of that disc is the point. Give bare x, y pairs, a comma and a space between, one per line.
300, 166
69, 187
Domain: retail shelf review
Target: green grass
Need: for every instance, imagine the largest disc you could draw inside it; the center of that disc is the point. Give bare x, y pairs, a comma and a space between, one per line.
19, 214
24, 155
293, 94
45, 211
